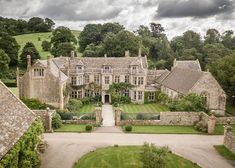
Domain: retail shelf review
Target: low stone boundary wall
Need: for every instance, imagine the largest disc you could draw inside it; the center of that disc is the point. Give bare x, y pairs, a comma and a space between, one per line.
229, 138
224, 120
79, 122
46, 117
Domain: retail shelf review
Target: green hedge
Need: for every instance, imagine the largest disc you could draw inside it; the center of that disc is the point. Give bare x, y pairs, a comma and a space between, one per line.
24, 153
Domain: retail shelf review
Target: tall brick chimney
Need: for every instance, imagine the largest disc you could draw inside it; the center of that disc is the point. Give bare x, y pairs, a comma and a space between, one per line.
72, 54
127, 53
139, 52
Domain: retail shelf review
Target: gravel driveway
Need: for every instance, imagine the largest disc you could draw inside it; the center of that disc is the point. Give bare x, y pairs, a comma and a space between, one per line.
66, 148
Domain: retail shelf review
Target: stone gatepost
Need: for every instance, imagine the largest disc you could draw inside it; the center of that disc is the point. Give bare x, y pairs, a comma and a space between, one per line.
98, 117
211, 124
48, 120
118, 113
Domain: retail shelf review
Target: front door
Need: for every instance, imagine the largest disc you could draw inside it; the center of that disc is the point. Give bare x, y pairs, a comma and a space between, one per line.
106, 98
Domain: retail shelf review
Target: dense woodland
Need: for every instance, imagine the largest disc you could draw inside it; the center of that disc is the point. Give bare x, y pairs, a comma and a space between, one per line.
215, 51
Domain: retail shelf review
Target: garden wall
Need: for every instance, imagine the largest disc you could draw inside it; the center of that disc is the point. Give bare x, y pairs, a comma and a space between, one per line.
46, 117
229, 138
224, 120
79, 121
167, 118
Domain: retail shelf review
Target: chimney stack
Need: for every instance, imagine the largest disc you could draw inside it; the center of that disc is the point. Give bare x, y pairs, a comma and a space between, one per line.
139, 53
48, 61
72, 54
105, 55
127, 53
28, 62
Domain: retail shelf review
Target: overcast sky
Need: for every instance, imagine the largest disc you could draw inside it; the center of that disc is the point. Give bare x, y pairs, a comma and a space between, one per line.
176, 16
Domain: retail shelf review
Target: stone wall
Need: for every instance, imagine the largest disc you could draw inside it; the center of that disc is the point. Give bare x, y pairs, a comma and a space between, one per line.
166, 118
229, 138
46, 117
224, 120
79, 122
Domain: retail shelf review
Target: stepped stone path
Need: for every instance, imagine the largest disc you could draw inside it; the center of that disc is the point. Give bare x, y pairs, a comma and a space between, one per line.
108, 125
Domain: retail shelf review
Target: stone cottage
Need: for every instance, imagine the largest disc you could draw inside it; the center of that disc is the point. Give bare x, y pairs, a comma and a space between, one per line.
55, 80
15, 119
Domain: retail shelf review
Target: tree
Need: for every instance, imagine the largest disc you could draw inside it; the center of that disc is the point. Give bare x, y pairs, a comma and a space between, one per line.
214, 51
228, 39
110, 28
116, 45
62, 37
50, 24
93, 50
4, 61
63, 49
212, 36
9, 45
143, 31
37, 24
46, 45
90, 34
223, 70
156, 29
192, 39
29, 49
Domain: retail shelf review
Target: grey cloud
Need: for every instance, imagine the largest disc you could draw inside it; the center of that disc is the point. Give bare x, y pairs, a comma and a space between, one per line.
194, 8
82, 10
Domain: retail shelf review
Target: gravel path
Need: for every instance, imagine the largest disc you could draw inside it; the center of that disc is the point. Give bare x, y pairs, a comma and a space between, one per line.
66, 148
107, 115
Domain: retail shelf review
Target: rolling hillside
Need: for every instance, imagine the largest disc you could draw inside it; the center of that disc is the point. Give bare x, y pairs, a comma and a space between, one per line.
36, 39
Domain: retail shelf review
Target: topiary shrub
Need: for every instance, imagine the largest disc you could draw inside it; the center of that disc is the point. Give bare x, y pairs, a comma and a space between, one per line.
65, 115
128, 128
88, 128
56, 121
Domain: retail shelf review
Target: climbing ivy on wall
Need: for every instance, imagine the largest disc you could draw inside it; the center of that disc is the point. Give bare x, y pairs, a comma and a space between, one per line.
24, 153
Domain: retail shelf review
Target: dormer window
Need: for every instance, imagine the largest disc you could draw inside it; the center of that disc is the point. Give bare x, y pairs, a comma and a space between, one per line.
107, 67
38, 72
134, 67
79, 67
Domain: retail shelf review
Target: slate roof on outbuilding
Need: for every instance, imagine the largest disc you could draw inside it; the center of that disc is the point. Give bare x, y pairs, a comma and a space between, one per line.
182, 80
15, 119
187, 64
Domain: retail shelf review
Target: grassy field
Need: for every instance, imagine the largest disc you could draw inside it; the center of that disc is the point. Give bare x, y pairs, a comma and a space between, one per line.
144, 108
125, 157
15, 90
225, 152
34, 38
71, 128
164, 129
89, 108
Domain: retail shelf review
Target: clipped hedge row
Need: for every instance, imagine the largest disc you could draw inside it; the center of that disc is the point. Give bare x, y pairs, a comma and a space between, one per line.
24, 153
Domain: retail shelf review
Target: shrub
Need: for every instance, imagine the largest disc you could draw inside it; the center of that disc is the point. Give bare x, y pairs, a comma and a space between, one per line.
153, 157
125, 99
115, 104
56, 121
128, 128
86, 100
74, 105
88, 128
66, 115
201, 126
35, 104
140, 116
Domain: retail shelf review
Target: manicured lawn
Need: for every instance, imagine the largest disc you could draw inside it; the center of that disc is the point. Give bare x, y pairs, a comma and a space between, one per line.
144, 108
219, 129
125, 157
225, 152
90, 108
15, 90
23, 39
71, 128
164, 129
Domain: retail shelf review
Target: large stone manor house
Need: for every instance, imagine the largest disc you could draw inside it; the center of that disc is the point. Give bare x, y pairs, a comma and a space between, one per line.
48, 80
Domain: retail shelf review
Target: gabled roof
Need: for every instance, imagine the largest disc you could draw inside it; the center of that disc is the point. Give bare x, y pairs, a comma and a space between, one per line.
15, 119
187, 64
54, 69
181, 80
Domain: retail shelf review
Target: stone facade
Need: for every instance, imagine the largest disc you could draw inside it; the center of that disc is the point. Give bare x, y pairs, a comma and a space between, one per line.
55, 80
